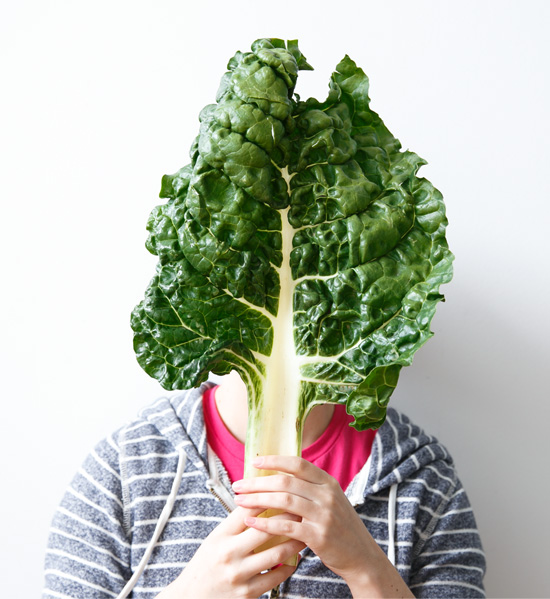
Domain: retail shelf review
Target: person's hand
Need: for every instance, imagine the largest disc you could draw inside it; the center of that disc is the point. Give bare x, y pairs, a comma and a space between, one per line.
225, 564
326, 522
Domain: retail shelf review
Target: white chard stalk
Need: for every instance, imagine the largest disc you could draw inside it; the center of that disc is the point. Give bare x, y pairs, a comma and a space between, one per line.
274, 423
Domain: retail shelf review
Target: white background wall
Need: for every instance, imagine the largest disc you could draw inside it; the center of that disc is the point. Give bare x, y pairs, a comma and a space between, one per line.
100, 99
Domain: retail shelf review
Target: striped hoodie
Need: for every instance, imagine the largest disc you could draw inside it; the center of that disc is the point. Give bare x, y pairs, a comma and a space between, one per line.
407, 494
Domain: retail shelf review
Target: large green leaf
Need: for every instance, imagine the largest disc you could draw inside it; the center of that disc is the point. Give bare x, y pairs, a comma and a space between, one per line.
367, 257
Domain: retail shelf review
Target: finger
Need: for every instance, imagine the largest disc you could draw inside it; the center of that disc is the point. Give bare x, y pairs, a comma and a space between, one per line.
292, 529
261, 583
249, 540
269, 558
234, 523
285, 502
291, 465
275, 482
252, 538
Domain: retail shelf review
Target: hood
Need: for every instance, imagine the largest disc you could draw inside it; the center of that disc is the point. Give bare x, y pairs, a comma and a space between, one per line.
400, 449
179, 418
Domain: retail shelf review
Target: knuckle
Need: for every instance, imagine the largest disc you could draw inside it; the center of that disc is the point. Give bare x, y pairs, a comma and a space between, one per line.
279, 555
225, 560
285, 481
326, 516
331, 502
295, 463
332, 482
301, 465
288, 527
232, 577
324, 537
287, 500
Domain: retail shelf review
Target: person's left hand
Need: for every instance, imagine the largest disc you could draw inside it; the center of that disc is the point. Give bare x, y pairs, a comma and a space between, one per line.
328, 523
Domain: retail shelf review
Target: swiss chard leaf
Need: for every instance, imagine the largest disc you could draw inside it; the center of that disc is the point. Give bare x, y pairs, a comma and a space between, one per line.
368, 242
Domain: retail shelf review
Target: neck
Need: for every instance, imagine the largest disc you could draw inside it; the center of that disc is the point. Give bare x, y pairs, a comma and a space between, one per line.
232, 403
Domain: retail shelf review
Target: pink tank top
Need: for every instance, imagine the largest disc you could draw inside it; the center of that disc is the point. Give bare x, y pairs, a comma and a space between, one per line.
341, 450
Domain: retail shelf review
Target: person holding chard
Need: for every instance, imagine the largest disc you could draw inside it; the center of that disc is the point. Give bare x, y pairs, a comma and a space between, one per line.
301, 256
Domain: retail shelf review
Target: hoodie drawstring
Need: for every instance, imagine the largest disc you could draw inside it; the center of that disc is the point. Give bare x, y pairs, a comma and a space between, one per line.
163, 519
392, 501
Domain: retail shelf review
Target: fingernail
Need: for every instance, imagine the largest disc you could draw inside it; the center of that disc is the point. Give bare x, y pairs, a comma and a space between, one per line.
257, 462
249, 521
237, 485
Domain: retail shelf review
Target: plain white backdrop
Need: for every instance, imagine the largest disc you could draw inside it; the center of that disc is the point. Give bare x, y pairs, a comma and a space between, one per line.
100, 99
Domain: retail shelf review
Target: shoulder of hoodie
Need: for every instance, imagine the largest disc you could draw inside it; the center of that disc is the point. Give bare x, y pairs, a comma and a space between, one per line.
160, 429
404, 453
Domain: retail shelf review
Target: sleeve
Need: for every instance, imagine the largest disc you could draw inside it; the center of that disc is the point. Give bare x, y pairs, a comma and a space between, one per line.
449, 559
88, 552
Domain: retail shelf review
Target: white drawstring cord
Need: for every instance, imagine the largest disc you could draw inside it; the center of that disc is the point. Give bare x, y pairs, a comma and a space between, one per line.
392, 500
163, 518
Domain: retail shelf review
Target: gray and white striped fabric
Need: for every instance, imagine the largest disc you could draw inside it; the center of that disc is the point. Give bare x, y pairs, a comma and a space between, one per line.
109, 512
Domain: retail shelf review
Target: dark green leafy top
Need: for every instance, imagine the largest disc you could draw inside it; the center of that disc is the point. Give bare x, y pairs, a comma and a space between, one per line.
368, 241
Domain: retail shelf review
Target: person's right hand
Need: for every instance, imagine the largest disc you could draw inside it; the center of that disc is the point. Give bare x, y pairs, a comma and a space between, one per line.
225, 564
